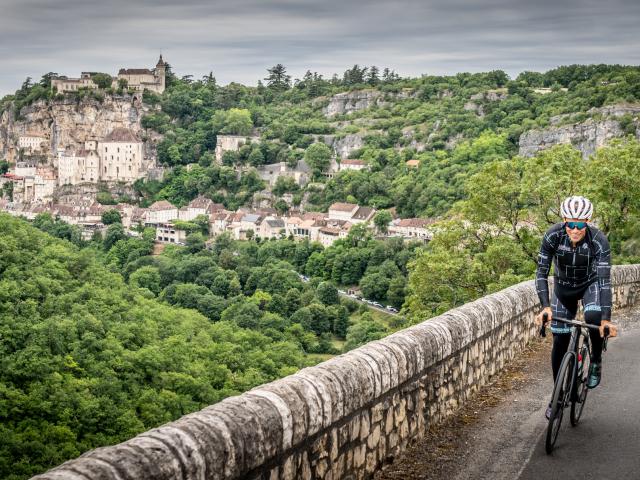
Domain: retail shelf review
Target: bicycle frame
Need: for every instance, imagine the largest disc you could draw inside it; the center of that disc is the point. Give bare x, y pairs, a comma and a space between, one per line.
566, 391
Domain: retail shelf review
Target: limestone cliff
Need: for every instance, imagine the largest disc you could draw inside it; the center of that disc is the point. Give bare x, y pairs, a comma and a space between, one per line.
68, 123
347, 102
586, 136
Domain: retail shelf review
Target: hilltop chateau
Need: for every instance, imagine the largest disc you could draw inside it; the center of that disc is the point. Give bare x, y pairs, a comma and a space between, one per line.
137, 78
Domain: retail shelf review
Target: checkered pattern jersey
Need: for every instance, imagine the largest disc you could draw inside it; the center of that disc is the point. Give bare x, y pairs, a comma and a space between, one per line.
575, 268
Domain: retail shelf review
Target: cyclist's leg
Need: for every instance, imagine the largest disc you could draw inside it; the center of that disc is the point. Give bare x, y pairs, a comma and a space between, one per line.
560, 346
565, 308
593, 316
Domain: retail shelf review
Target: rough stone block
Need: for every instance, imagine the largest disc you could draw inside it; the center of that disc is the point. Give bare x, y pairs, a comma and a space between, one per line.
374, 437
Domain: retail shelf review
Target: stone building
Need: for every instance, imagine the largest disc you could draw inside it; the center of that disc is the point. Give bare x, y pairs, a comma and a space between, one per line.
120, 156
31, 142
349, 164
65, 84
137, 78
144, 79
412, 229
161, 212
232, 143
270, 173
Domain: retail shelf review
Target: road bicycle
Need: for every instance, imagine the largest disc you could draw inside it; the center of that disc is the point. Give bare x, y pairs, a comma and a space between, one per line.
570, 388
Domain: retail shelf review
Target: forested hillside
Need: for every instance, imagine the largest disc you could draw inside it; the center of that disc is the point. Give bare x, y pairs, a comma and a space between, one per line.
452, 124
87, 359
102, 339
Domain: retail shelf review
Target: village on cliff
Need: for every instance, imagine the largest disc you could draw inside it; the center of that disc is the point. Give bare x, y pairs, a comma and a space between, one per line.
58, 167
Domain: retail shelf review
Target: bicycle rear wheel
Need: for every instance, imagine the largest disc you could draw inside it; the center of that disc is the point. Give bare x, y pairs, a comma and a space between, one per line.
559, 400
580, 398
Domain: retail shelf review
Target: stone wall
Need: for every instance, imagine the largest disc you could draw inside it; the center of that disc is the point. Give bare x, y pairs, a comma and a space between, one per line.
347, 416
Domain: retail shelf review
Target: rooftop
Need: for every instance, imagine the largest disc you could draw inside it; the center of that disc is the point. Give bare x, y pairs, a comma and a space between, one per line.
275, 223
122, 135
363, 213
343, 207
135, 71
415, 222
161, 205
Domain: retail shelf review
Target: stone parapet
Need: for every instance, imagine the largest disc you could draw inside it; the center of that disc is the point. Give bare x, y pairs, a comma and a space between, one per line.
345, 417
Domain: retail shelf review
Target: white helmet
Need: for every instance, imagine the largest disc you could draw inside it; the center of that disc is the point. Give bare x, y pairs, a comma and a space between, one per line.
576, 207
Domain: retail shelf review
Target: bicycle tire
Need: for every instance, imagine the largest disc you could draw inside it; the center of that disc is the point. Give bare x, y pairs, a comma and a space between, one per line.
559, 399
577, 404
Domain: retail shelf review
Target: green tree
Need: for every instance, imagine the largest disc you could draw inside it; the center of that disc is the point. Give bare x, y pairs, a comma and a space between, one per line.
147, 277
102, 80
381, 220
237, 121
115, 232
318, 156
278, 80
327, 293
365, 331
111, 216
611, 182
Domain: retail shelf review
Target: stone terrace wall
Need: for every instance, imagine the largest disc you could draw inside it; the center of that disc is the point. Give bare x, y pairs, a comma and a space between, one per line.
347, 416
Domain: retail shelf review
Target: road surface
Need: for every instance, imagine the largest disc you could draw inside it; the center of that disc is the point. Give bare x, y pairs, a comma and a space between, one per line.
506, 440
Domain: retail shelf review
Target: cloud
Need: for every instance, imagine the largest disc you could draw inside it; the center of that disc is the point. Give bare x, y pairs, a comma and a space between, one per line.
239, 40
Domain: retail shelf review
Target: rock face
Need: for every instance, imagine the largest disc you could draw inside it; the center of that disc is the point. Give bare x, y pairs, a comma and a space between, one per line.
586, 136
344, 146
68, 123
348, 102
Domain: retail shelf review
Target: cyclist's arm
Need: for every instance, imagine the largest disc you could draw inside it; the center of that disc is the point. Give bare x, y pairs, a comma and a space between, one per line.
545, 257
603, 265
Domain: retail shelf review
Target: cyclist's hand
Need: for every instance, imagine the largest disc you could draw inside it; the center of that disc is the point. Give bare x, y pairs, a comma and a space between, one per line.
613, 329
546, 310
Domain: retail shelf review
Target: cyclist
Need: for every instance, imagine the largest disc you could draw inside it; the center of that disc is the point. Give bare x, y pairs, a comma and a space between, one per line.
582, 266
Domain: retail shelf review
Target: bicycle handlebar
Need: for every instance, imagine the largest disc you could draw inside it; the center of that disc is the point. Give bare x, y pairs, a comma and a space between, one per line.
545, 320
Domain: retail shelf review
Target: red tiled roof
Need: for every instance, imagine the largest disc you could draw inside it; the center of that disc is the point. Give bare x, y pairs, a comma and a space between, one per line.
352, 162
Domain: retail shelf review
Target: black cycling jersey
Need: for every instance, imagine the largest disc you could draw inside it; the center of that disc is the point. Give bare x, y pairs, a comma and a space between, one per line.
575, 268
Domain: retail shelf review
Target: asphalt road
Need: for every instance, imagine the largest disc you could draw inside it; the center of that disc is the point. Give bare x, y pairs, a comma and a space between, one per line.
606, 443
509, 443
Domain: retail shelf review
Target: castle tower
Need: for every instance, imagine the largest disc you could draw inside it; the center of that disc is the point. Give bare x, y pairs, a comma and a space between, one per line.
161, 69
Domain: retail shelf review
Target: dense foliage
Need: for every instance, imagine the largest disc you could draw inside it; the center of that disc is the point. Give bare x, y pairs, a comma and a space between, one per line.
491, 239
102, 339
451, 124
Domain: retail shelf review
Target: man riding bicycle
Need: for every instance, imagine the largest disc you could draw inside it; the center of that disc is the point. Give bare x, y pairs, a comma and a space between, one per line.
582, 267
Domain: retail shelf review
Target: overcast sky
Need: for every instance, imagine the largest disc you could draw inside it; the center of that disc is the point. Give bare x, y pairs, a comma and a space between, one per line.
239, 39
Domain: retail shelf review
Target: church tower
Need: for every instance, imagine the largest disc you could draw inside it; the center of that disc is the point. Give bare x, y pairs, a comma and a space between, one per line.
161, 69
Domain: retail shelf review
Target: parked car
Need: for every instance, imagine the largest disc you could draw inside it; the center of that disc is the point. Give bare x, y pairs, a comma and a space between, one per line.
391, 309
377, 304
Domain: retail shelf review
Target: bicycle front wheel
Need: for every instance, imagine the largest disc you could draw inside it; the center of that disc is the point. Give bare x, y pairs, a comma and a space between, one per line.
559, 400
580, 398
